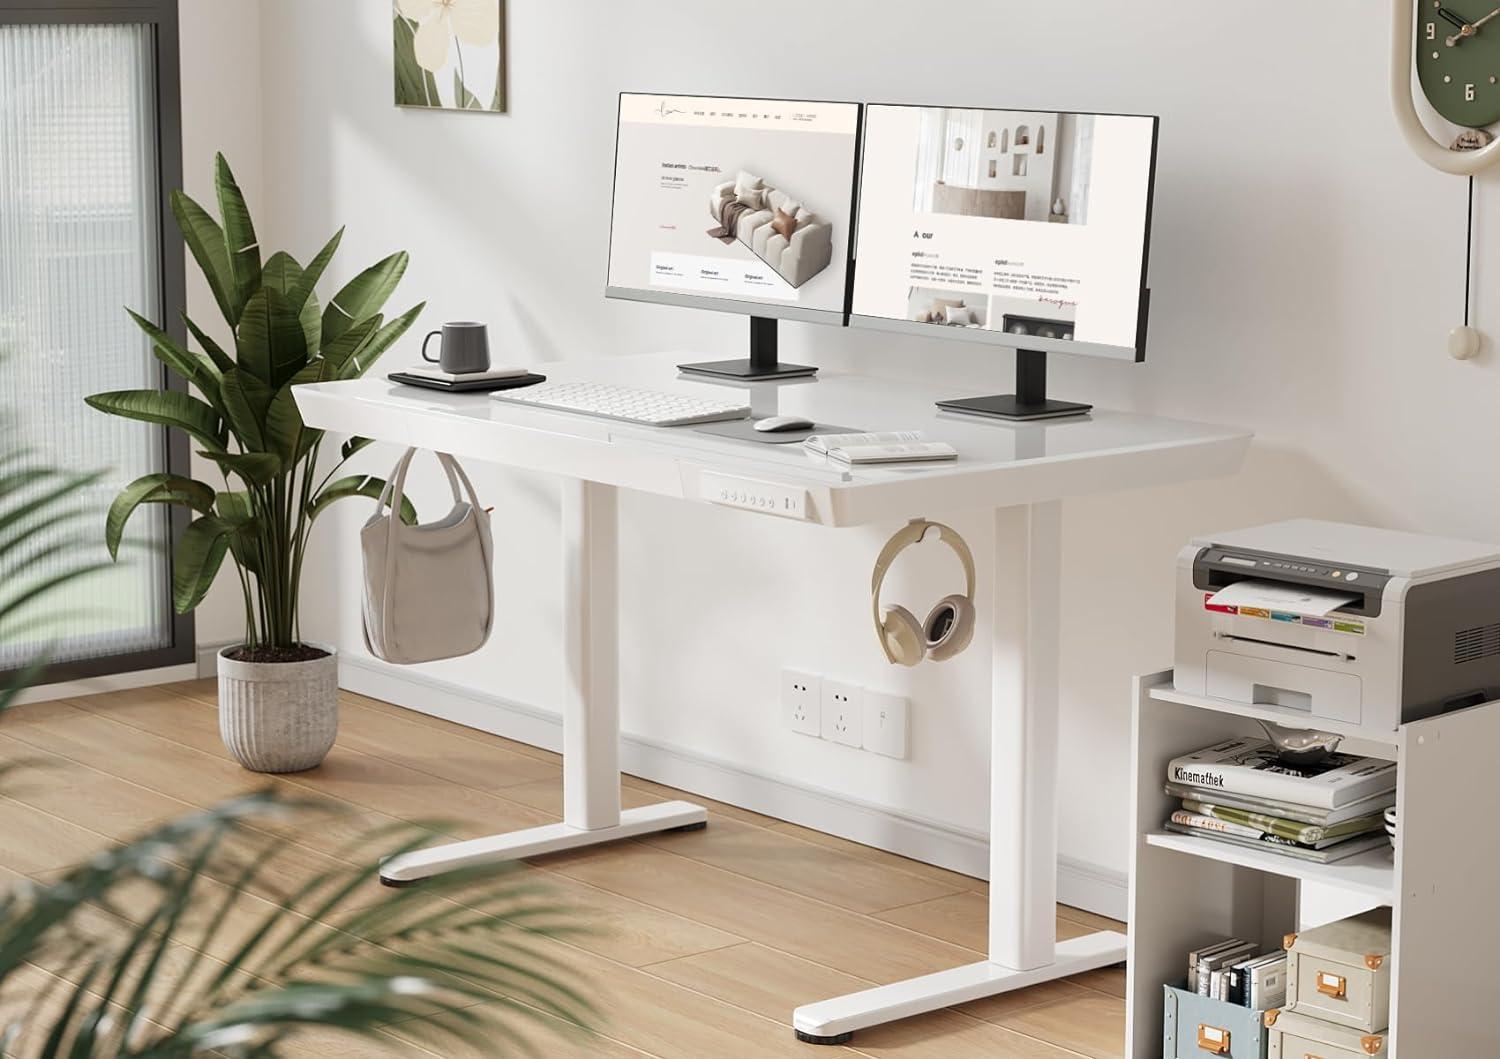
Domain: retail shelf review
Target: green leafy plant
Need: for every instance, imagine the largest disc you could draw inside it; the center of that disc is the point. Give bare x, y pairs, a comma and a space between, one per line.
41, 551
244, 417
200, 950
476, 948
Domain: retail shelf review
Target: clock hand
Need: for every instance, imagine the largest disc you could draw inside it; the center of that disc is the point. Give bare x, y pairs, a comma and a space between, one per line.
1471, 29
1456, 20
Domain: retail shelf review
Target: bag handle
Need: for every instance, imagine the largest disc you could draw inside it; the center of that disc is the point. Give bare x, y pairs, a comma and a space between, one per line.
392, 496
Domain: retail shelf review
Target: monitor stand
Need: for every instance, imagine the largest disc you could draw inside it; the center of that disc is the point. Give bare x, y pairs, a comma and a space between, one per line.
1028, 402
762, 363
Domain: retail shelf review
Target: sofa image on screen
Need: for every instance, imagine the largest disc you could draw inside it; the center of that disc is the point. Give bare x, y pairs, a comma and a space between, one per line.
746, 209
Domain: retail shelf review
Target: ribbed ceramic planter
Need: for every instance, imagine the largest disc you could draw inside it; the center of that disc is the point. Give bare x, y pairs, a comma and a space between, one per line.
279, 716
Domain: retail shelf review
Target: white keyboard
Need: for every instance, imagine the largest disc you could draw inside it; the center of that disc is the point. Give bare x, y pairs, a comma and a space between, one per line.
652, 408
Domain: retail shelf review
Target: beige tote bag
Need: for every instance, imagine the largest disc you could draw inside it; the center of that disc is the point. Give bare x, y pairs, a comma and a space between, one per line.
429, 592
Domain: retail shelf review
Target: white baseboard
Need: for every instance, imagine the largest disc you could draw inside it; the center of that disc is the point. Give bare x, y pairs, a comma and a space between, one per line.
208, 658
140, 678
1079, 883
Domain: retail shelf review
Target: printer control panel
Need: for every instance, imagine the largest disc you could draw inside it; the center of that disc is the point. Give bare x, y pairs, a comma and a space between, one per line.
1217, 568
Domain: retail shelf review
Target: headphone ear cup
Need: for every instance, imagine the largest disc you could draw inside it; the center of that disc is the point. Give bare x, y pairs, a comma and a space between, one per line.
902, 636
949, 627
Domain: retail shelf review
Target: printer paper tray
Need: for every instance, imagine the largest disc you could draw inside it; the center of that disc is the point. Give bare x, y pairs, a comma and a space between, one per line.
1267, 682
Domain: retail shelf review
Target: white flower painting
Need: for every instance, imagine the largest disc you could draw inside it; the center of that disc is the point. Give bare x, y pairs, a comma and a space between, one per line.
450, 54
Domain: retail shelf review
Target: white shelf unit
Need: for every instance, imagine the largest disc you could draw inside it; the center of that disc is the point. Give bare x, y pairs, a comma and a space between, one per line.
1442, 880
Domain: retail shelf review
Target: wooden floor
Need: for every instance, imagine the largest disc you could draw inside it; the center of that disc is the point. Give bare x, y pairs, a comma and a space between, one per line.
707, 939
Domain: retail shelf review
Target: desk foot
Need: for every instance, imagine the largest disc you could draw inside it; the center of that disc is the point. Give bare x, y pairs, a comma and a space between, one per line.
837, 1038
828, 1020
410, 868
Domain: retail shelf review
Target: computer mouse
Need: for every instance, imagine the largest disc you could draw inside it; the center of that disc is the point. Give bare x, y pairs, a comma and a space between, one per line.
776, 424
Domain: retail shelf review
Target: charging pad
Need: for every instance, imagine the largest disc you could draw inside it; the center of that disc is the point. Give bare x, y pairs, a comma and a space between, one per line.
744, 430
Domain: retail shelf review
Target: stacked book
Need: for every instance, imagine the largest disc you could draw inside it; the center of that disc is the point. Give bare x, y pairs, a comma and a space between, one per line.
1231, 971
1239, 791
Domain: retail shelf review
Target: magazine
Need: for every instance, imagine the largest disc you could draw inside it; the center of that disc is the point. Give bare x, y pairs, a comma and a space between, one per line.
1250, 766
1293, 830
1338, 851
1307, 814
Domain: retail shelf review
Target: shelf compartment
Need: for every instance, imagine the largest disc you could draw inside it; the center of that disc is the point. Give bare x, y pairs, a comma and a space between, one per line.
1374, 742
1370, 874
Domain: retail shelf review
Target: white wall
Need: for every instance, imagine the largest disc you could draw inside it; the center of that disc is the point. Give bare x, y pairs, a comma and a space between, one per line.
1305, 270
221, 111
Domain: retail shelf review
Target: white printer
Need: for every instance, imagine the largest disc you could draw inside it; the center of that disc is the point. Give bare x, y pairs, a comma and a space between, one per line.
1338, 622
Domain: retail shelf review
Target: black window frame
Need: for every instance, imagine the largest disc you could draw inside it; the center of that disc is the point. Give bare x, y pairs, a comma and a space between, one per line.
161, 15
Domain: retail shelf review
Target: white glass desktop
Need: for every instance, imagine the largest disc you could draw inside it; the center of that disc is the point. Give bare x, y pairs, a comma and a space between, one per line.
1022, 472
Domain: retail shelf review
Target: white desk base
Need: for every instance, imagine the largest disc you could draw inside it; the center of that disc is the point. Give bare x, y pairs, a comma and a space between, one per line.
1023, 948
834, 1021
591, 714
1019, 471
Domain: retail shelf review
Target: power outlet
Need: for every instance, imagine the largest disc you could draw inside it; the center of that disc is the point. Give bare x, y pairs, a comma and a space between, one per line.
800, 696
843, 712
886, 720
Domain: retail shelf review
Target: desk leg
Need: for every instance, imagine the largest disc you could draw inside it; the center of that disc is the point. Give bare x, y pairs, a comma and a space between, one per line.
1023, 946
591, 713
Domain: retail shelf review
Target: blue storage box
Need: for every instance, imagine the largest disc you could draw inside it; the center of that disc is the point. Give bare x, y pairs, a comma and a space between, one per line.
1196, 1027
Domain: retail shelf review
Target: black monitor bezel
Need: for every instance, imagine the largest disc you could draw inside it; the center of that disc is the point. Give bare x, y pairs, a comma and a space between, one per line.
1001, 339
738, 306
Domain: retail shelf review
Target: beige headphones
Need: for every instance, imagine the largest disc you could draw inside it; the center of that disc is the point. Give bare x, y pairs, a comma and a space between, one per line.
950, 624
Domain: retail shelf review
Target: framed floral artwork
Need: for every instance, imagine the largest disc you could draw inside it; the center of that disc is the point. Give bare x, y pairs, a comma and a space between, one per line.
450, 54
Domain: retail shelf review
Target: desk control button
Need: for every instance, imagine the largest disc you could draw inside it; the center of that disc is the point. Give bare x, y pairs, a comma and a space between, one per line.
770, 498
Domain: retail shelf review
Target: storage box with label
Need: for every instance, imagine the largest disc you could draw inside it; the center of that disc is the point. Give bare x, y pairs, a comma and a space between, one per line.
1297, 1036
1341, 971
1197, 1026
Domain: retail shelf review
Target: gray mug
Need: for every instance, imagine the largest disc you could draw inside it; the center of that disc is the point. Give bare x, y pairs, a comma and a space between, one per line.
464, 347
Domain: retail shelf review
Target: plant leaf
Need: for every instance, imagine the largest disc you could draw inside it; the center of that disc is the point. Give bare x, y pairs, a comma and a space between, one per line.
357, 485
310, 318
363, 295
315, 267
282, 272
286, 434
223, 361
199, 555
383, 339
256, 468
205, 239
246, 400
190, 366
415, 86
239, 234
159, 488
168, 408
235, 508
353, 445
462, 97
270, 339
338, 352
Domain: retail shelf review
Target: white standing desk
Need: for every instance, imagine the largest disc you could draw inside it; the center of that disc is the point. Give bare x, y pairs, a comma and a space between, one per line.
1020, 471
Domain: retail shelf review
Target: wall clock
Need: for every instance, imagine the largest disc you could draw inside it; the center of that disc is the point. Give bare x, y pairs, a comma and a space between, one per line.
1451, 49
1454, 47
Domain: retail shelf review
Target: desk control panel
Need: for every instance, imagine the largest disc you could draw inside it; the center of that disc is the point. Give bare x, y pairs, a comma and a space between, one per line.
769, 498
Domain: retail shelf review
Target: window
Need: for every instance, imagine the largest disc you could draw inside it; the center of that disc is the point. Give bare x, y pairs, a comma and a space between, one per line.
89, 136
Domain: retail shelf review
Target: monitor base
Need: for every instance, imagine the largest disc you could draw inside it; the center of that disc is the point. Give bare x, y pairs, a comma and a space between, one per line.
762, 363
1030, 400
1009, 406
748, 369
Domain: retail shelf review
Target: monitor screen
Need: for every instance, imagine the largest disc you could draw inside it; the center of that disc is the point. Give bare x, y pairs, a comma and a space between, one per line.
1019, 228
743, 205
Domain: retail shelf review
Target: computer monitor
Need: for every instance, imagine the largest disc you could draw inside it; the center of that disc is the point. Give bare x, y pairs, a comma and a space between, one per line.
737, 205
1017, 228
